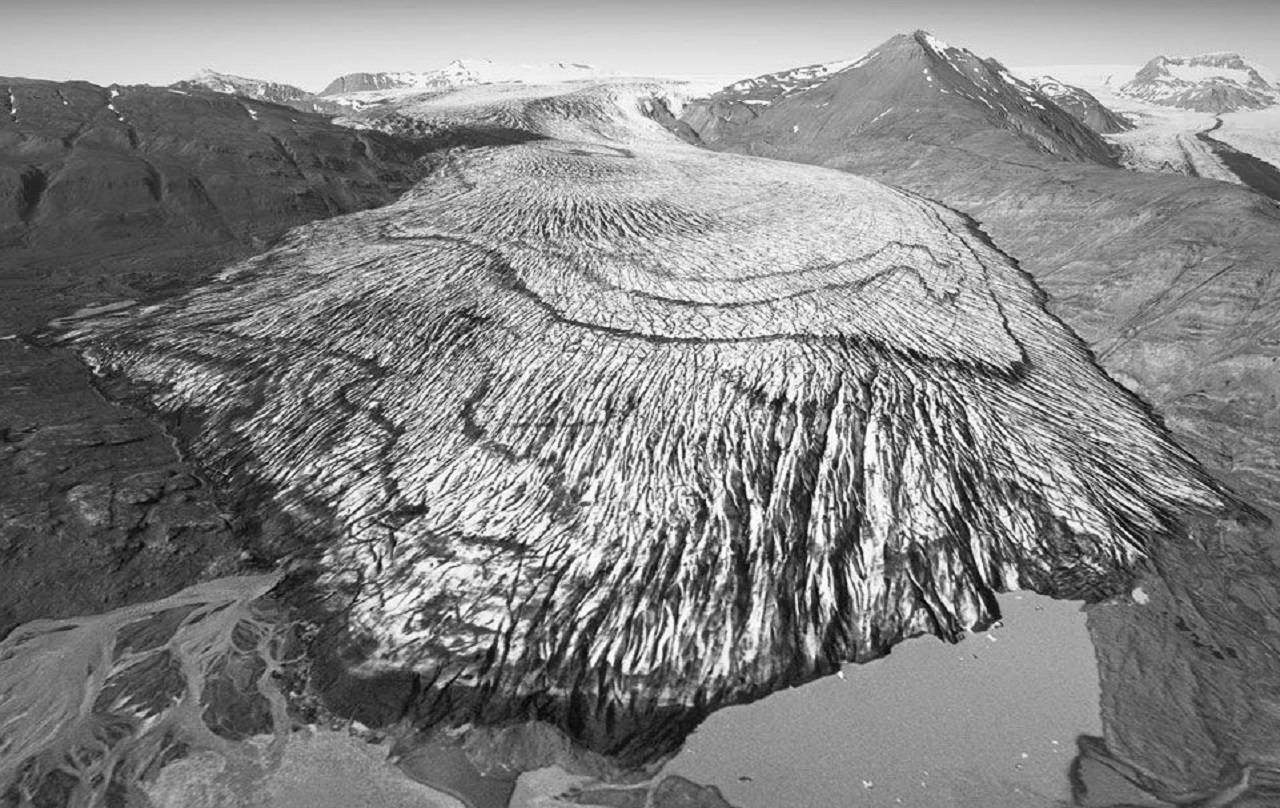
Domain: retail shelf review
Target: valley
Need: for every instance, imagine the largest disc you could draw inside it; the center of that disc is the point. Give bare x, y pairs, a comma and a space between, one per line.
488, 433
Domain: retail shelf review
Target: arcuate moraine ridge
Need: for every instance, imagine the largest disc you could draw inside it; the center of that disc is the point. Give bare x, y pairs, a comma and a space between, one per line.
596, 434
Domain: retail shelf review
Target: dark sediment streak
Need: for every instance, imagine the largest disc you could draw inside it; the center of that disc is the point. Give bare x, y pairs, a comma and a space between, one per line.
1258, 174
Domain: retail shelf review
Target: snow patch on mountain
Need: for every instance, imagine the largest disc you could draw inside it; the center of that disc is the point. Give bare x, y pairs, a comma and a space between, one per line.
260, 89
939, 47
785, 83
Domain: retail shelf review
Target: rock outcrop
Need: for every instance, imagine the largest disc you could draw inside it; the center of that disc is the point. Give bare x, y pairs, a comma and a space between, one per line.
612, 431
364, 82
1216, 82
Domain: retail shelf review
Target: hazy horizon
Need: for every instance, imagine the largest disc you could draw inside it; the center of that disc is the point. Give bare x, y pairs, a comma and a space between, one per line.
308, 45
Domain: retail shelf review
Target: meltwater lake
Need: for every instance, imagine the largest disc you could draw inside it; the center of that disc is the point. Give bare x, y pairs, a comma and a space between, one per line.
990, 722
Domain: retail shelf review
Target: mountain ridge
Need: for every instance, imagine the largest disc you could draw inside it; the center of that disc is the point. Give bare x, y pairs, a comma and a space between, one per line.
911, 86
261, 89
1217, 83
459, 73
1082, 104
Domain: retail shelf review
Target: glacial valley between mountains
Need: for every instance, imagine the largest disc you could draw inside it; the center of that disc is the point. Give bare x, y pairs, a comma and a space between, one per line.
515, 430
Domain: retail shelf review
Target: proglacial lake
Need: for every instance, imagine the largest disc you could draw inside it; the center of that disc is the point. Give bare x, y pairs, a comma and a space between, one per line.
990, 722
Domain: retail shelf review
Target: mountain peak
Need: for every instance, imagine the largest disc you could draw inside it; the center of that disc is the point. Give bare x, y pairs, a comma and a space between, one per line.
1209, 82
913, 86
932, 42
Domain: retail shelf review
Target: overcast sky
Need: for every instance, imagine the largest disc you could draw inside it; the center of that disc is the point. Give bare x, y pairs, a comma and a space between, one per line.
309, 43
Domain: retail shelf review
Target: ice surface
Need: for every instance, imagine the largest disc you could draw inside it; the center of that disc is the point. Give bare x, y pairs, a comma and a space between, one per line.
1164, 138
1256, 131
1199, 73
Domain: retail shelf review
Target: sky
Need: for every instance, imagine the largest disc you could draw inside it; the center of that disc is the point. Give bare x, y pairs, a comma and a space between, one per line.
310, 42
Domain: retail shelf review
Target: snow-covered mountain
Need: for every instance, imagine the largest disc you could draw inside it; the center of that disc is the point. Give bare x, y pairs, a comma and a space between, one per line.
1215, 82
260, 89
461, 73
1082, 105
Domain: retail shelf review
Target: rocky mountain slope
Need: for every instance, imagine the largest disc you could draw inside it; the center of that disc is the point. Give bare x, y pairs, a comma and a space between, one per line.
91, 173
1216, 82
913, 86
1081, 105
129, 193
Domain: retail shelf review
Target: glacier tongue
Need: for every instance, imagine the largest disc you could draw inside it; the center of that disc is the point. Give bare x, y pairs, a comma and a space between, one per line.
606, 430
